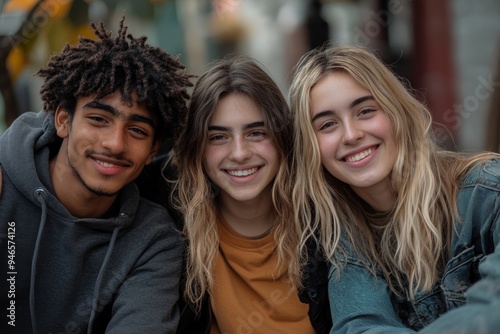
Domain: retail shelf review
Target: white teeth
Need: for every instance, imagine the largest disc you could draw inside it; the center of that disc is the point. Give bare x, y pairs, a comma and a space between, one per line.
244, 172
105, 164
360, 155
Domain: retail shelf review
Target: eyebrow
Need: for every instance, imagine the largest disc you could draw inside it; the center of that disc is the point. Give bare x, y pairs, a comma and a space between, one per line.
354, 103
230, 128
113, 111
361, 100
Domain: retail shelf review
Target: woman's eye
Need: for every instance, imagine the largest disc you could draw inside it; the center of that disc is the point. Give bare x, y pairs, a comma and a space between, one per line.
257, 134
366, 111
216, 137
327, 125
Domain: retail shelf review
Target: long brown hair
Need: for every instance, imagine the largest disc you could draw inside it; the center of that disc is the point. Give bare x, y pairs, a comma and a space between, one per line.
195, 197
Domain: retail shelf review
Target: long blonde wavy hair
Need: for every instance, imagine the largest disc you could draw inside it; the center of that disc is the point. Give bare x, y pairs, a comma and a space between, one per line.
412, 244
193, 194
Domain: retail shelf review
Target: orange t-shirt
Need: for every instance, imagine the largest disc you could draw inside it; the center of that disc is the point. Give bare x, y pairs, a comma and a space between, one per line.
252, 295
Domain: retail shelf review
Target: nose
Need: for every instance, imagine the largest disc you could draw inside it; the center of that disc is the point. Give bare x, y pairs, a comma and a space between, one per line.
240, 150
352, 133
115, 140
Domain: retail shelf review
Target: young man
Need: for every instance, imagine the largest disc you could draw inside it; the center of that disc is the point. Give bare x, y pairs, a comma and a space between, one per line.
80, 251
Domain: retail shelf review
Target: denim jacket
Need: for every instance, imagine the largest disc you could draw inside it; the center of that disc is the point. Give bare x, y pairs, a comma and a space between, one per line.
465, 300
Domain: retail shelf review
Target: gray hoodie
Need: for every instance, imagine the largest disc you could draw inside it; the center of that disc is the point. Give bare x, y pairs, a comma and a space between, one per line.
61, 274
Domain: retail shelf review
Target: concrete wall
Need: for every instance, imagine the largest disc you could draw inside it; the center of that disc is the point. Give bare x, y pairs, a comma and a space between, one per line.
476, 40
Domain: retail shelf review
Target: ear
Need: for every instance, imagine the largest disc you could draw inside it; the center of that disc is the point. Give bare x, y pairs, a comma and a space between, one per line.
62, 121
154, 150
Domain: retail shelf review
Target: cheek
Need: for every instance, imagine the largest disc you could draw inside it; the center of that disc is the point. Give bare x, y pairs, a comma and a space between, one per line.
210, 169
327, 147
275, 161
383, 127
144, 159
211, 159
142, 151
80, 143
269, 151
85, 135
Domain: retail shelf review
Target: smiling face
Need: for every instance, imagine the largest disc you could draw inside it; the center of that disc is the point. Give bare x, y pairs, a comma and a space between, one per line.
106, 144
354, 134
240, 157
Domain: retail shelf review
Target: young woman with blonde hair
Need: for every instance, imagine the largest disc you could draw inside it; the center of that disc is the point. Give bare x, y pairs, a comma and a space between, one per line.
234, 159
407, 227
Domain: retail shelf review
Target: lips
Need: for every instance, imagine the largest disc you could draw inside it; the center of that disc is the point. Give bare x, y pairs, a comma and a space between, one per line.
105, 164
360, 155
109, 166
242, 172
108, 161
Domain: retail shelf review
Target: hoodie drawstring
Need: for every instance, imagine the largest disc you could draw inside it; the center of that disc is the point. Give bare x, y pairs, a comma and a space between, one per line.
39, 194
100, 278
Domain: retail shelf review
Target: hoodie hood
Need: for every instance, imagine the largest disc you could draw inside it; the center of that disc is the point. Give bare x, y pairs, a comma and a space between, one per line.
22, 146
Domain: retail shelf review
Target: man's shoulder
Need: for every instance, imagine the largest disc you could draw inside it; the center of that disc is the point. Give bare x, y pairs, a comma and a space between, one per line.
153, 210
150, 212
152, 221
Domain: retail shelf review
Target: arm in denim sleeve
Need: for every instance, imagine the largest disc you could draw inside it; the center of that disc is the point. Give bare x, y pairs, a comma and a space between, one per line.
481, 313
360, 303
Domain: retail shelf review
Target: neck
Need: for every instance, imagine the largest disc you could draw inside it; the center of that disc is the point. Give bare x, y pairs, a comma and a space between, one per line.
381, 198
250, 219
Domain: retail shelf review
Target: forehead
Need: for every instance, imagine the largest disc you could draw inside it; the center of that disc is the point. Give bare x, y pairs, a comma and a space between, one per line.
236, 109
335, 88
115, 103
336, 82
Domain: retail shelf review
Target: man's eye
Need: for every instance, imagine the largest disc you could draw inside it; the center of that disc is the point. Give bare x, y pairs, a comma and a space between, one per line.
97, 119
139, 132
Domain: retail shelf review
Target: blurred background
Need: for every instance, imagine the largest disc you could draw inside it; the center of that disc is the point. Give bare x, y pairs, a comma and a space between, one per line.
448, 50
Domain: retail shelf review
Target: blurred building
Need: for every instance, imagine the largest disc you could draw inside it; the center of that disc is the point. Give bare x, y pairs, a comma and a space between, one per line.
449, 51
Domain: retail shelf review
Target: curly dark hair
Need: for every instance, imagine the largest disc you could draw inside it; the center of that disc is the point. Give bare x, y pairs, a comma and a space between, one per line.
124, 63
